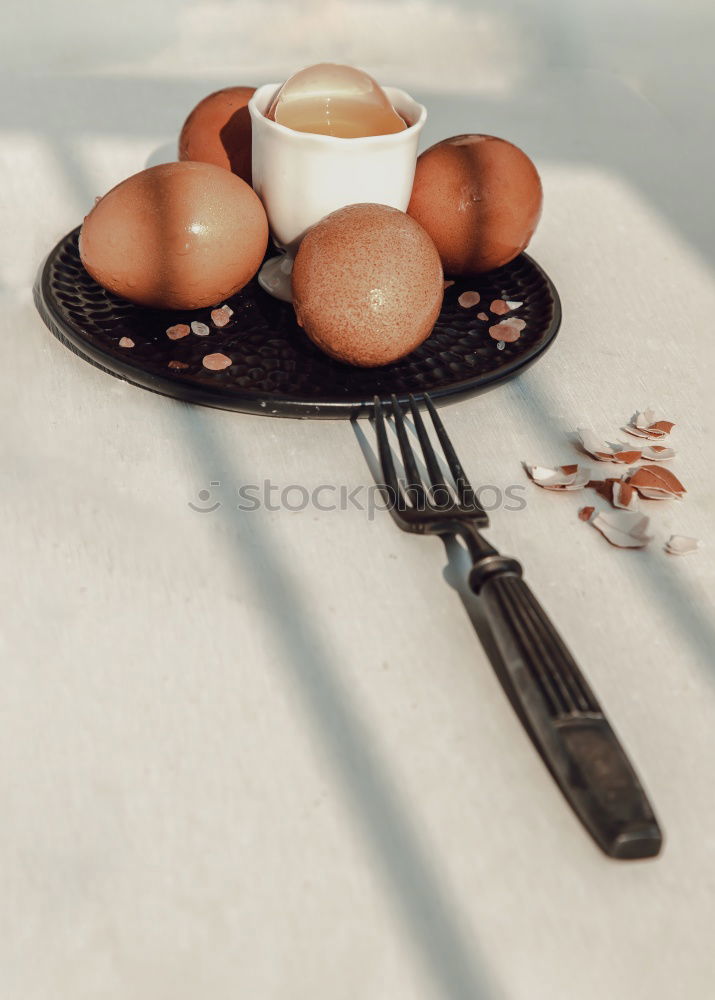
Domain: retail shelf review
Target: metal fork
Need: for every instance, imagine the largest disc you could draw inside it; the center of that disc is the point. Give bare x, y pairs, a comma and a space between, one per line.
556, 704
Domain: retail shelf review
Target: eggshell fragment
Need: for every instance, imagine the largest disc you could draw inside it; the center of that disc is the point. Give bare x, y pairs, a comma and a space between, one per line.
367, 284
218, 131
605, 452
624, 495
604, 487
645, 425
657, 453
681, 545
654, 482
623, 528
565, 477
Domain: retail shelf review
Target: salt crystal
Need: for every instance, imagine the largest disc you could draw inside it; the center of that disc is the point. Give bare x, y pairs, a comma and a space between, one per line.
177, 331
220, 317
216, 362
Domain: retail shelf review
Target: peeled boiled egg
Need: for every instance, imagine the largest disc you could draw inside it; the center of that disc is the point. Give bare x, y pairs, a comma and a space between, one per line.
218, 131
367, 284
479, 198
176, 236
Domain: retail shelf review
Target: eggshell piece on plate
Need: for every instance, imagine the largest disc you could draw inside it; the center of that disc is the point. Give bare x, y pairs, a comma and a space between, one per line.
218, 131
479, 198
176, 236
367, 284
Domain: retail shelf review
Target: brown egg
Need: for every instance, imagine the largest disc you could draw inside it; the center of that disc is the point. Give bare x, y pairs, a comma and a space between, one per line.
218, 131
367, 284
176, 236
479, 198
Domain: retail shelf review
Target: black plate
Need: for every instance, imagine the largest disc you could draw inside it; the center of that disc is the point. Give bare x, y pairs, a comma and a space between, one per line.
276, 370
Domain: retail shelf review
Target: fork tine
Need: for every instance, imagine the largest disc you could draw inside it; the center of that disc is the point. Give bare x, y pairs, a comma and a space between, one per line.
385, 452
435, 473
414, 480
464, 487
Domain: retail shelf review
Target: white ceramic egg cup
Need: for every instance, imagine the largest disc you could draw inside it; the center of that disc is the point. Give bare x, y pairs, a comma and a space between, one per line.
301, 177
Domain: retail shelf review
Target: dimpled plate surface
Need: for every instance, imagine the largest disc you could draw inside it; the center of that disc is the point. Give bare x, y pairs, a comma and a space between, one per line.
276, 370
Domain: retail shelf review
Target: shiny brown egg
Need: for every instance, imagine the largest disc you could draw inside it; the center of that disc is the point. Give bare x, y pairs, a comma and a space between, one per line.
218, 131
479, 198
176, 236
367, 284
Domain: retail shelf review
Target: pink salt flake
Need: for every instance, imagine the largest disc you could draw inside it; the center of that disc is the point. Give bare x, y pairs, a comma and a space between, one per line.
178, 366
177, 331
221, 316
216, 362
483, 317
447, 284
126, 342
499, 307
508, 330
469, 299
585, 513
200, 329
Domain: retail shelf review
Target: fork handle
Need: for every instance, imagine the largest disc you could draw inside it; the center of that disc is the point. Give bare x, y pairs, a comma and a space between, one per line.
563, 717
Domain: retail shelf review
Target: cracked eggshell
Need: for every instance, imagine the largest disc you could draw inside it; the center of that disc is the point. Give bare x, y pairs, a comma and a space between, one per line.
681, 545
623, 528
565, 477
643, 424
479, 198
218, 131
176, 236
603, 451
367, 284
654, 482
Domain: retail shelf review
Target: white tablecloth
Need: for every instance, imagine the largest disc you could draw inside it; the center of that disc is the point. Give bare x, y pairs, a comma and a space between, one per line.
262, 754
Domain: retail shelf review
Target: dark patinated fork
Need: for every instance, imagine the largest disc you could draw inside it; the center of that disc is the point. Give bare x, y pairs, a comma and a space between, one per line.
556, 704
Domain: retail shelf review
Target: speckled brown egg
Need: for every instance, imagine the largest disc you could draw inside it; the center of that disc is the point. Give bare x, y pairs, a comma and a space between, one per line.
218, 131
176, 236
367, 284
479, 198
